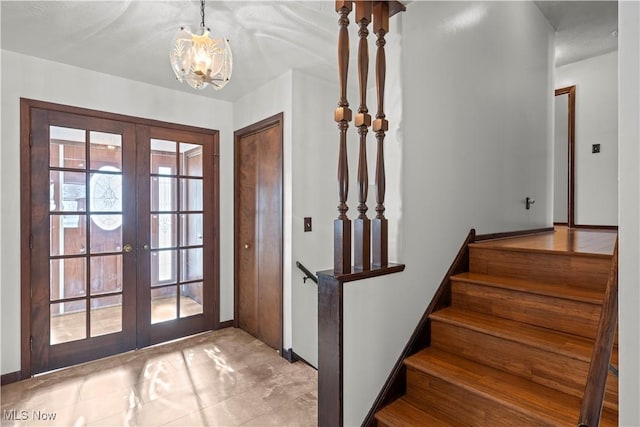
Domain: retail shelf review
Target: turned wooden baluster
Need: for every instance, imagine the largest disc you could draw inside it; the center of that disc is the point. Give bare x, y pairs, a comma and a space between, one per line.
362, 224
342, 225
380, 126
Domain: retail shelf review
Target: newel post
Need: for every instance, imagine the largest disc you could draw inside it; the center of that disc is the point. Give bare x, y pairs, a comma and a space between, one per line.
342, 225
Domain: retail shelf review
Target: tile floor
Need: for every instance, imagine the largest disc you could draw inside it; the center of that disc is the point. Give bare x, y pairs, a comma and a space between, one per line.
220, 378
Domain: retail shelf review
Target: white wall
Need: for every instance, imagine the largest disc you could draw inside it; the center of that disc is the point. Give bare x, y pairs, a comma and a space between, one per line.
596, 80
28, 77
560, 159
629, 211
477, 139
273, 98
314, 149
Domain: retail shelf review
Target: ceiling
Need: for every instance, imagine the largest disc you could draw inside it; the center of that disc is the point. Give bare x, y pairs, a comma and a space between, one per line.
131, 38
583, 28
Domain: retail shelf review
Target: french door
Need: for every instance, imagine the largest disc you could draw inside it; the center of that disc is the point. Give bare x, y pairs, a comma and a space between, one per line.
176, 232
123, 236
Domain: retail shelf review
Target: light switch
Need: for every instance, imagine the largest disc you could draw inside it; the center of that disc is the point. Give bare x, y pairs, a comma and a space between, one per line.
595, 148
307, 223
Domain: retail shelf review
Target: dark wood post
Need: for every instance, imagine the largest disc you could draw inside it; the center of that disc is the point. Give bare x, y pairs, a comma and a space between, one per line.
380, 126
342, 225
330, 340
330, 331
362, 224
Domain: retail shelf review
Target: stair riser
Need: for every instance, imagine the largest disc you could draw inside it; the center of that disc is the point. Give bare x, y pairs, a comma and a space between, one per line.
462, 406
574, 317
402, 414
538, 365
583, 271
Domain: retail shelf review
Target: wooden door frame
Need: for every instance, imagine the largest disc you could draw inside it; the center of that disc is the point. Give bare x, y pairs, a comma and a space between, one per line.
26, 105
275, 120
571, 158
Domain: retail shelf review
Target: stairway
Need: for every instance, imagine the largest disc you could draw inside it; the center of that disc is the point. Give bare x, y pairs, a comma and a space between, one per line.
514, 346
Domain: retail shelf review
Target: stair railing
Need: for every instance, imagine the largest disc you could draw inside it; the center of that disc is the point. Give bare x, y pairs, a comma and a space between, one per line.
308, 274
594, 391
370, 235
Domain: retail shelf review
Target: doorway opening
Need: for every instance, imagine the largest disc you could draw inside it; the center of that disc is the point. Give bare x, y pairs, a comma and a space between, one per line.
564, 158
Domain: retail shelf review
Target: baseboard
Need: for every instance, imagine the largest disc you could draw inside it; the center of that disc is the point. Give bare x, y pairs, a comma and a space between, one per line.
226, 324
508, 234
289, 355
588, 227
292, 357
11, 377
597, 227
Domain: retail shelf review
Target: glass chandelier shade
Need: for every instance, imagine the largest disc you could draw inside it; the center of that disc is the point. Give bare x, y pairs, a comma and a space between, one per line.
201, 60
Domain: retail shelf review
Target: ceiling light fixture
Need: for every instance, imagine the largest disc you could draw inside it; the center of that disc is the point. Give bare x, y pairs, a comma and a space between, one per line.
200, 59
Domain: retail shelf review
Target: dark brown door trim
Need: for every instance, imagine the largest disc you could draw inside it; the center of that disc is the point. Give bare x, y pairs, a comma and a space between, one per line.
25, 231
571, 92
26, 111
32, 103
273, 121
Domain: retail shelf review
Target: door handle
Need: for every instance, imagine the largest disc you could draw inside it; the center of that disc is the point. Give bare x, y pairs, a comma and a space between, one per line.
127, 248
247, 246
145, 247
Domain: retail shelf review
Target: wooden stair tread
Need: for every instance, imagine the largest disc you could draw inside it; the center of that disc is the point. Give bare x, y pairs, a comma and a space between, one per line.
556, 342
546, 289
496, 244
537, 401
401, 413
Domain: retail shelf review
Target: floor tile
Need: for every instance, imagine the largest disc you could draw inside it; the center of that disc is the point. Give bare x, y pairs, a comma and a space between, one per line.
220, 378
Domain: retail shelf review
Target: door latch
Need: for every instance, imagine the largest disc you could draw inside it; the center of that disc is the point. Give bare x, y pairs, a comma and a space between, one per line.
529, 201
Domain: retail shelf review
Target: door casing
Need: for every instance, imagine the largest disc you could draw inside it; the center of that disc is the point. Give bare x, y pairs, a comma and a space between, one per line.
571, 151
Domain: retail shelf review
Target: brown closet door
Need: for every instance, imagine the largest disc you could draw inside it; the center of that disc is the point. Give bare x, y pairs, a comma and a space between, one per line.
258, 233
247, 292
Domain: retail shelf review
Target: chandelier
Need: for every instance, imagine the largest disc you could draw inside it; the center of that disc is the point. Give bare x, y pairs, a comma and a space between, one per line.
201, 60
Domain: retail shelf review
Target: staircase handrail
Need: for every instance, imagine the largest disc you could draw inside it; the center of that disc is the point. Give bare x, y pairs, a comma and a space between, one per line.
594, 391
308, 274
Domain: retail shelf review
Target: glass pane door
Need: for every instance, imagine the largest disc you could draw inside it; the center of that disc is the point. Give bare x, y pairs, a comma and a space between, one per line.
178, 241
83, 201
123, 236
86, 285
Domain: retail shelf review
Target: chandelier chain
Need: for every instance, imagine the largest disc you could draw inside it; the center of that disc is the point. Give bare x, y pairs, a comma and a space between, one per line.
202, 13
